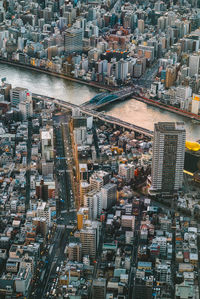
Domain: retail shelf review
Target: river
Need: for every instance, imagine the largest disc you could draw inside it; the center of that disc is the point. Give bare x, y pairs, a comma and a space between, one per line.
130, 110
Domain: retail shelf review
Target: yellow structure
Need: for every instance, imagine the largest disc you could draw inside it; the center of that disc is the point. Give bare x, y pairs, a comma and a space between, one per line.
82, 215
193, 146
117, 149
80, 218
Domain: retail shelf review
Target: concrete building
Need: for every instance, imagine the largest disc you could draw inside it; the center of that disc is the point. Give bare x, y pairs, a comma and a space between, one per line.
109, 195
93, 201
23, 280
85, 187
47, 168
44, 211
182, 94
47, 143
27, 261
168, 157
74, 252
82, 215
170, 75
141, 26
89, 243
195, 103
128, 221
80, 135
99, 179
73, 40
17, 95
193, 65
99, 288
127, 171
26, 107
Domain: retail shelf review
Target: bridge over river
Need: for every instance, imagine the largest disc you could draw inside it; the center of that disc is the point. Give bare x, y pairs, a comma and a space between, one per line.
98, 115
105, 98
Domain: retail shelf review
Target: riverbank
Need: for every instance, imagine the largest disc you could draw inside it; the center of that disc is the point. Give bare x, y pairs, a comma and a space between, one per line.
55, 74
169, 108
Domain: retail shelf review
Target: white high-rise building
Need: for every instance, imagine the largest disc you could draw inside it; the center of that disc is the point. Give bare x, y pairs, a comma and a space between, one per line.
93, 201
26, 107
122, 69
182, 94
194, 65
168, 157
109, 195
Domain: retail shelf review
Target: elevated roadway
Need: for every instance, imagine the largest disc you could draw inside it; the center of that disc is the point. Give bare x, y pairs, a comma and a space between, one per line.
99, 115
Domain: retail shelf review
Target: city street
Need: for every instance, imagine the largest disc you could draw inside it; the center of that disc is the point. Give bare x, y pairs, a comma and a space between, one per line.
66, 213
65, 207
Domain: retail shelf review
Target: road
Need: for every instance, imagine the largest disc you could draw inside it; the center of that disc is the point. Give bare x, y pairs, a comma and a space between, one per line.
66, 214
29, 142
51, 260
64, 170
96, 114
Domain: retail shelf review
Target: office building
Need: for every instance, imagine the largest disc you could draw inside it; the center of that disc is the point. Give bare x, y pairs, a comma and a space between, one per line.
17, 95
98, 179
26, 107
193, 65
47, 168
47, 143
170, 76
121, 69
89, 243
141, 26
85, 187
5, 90
168, 157
74, 252
93, 201
73, 40
127, 171
44, 211
183, 94
80, 135
195, 103
128, 222
109, 195
82, 215
99, 288
137, 71
23, 280
27, 262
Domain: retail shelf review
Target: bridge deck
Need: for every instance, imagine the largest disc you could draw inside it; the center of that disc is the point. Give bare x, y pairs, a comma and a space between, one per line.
99, 115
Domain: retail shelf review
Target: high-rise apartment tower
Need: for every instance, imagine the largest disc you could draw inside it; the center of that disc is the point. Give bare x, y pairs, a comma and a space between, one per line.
168, 157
